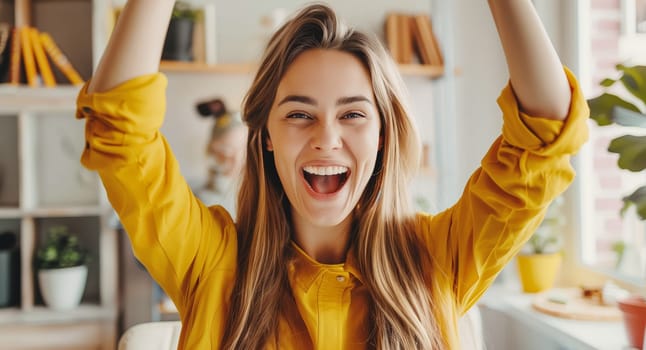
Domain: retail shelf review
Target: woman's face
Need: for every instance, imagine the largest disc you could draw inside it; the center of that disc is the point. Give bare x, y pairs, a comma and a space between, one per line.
324, 132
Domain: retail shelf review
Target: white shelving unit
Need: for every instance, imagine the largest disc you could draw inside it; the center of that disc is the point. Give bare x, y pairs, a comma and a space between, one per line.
42, 184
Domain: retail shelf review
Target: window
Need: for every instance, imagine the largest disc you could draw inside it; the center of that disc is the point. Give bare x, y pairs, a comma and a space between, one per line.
640, 16
617, 34
633, 17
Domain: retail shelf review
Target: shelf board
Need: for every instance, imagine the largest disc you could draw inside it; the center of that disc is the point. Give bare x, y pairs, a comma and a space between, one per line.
196, 67
422, 70
21, 97
249, 68
66, 211
44, 315
13, 213
10, 213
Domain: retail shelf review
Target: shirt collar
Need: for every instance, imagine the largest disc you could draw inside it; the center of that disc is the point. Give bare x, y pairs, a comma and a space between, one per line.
304, 270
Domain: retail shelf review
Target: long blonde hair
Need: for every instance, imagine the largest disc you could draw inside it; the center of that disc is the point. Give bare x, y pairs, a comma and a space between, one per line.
384, 240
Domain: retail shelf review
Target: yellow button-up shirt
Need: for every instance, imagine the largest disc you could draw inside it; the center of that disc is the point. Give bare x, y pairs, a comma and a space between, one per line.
191, 249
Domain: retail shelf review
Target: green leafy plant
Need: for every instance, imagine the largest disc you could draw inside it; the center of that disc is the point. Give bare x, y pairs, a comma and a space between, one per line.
61, 249
619, 248
608, 109
183, 9
547, 238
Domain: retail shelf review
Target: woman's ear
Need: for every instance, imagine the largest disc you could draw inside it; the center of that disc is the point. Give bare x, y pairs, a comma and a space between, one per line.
269, 145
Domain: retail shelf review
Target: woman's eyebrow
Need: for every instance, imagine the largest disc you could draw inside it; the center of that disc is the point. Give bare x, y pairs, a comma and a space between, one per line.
310, 101
352, 99
298, 98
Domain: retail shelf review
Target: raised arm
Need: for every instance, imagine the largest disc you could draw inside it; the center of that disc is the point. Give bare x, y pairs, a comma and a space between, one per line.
173, 234
535, 70
136, 44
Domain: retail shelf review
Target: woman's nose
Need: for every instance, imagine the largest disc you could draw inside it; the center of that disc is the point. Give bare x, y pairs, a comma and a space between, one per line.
326, 137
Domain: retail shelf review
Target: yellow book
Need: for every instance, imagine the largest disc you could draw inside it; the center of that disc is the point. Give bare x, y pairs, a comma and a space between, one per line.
43, 64
28, 57
59, 59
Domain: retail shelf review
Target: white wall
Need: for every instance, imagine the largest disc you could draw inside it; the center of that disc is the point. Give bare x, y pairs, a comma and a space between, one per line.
483, 74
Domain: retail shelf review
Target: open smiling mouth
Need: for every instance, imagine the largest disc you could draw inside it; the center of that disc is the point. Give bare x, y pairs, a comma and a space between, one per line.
326, 179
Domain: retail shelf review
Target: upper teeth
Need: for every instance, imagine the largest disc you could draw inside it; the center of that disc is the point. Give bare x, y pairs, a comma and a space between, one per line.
325, 170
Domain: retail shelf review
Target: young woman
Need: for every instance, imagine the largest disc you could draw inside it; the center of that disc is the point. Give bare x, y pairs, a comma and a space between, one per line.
325, 252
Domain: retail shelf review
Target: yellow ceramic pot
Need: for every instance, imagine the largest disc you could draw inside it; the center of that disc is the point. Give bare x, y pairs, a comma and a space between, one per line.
538, 271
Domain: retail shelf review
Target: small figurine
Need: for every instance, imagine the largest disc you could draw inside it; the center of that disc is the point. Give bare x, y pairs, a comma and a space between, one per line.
226, 151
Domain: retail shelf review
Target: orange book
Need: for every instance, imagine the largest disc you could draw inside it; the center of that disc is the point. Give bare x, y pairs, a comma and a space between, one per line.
425, 40
405, 39
43, 64
28, 57
391, 29
59, 59
419, 45
14, 57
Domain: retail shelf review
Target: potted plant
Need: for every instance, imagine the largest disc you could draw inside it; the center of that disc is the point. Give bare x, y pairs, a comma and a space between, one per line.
608, 109
62, 270
178, 45
540, 259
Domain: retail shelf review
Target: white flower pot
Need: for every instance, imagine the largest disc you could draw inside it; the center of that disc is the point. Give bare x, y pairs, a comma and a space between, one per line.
62, 289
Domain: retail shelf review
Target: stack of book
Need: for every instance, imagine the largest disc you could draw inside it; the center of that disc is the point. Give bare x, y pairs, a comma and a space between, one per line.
26, 57
410, 37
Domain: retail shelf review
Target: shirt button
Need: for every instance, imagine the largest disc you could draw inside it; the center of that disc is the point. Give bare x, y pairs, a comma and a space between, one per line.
340, 278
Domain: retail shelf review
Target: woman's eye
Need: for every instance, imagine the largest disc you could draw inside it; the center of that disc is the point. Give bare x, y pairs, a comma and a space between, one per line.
352, 115
298, 116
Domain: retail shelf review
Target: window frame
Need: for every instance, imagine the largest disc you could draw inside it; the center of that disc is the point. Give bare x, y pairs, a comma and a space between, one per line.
580, 245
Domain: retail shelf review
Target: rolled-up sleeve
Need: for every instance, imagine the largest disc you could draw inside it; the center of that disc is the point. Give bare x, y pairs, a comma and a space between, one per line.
505, 199
172, 233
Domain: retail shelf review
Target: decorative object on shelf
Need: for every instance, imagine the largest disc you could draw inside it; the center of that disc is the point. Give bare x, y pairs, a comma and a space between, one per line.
62, 269
573, 303
178, 45
634, 313
540, 260
9, 264
608, 109
226, 151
